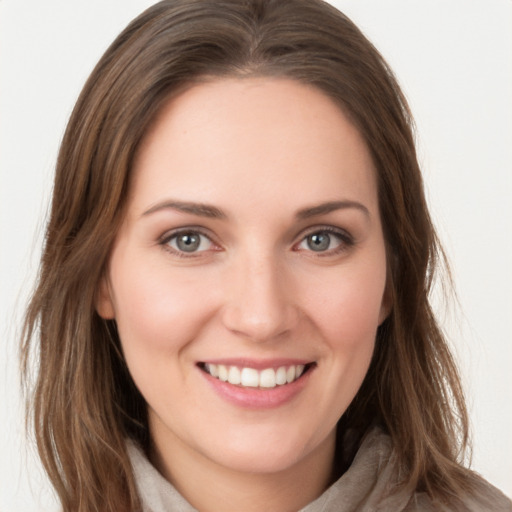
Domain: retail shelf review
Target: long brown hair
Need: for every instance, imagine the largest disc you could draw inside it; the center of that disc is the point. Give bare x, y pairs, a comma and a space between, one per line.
84, 403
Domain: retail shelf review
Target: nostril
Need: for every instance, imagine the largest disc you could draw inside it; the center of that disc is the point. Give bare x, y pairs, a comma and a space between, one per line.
260, 325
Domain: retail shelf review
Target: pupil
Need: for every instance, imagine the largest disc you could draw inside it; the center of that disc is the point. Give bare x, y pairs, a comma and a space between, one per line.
188, 242
318, 242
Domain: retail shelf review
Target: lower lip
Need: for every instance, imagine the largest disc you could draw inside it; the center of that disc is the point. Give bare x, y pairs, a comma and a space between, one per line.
257, 398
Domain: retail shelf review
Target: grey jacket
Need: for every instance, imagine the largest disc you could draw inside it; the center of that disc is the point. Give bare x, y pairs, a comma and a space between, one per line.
367, 486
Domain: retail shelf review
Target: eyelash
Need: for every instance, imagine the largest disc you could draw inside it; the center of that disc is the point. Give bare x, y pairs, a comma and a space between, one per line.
191, 230
346, 241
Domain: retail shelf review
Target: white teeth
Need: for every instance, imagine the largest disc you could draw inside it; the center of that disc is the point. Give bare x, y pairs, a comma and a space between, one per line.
268, 378
234, 375
249, 377
281, 376
212, 369
223, 373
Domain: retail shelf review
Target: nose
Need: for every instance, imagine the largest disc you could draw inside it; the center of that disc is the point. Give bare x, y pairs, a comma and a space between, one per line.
260, 304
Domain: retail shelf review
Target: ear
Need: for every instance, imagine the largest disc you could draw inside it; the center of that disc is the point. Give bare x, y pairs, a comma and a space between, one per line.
387, 302
104, 304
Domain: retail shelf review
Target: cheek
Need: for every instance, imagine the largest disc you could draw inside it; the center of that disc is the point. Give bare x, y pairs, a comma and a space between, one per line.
347, 308
155, 312
158, 316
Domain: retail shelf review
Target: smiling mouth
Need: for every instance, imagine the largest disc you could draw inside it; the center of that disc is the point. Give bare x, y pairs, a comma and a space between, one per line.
266, 378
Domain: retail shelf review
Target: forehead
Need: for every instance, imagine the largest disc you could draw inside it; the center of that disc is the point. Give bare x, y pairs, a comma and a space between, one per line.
250, 137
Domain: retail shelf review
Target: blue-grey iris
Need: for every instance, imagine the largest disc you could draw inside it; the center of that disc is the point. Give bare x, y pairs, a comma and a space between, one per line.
188, 242
319, 241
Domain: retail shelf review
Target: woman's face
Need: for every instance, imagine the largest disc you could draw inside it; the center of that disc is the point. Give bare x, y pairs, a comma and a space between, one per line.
247, 280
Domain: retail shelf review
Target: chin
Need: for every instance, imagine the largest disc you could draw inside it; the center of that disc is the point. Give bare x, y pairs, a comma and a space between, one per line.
270, 454
258, 461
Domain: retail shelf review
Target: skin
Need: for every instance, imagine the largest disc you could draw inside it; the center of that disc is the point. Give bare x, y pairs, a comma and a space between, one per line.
259, 150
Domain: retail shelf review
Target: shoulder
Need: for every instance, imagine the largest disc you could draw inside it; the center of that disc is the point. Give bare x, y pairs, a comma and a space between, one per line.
482, 497
370, 484
491, 501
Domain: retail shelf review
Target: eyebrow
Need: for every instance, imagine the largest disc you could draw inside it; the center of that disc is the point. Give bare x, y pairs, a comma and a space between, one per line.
212, 212
200, 209
330, 206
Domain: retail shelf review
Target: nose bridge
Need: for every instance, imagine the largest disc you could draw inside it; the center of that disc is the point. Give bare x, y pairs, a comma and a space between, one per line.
259, 306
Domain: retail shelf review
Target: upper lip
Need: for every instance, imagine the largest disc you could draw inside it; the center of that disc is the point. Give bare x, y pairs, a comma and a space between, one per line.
257, 364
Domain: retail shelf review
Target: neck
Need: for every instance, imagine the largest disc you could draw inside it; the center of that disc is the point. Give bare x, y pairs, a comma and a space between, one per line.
211, 487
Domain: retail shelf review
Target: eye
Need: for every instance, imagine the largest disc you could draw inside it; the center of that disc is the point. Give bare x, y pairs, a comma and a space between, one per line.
188, 242
326, 241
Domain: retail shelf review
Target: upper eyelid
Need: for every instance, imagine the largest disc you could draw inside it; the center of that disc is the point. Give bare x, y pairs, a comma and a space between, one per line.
168, 235
325, 228
165, 239
347, 240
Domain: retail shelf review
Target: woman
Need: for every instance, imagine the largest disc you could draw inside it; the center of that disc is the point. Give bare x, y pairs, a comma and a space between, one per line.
233, 301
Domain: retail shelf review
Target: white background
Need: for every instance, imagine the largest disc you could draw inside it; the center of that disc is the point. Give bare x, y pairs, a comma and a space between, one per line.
454, 61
